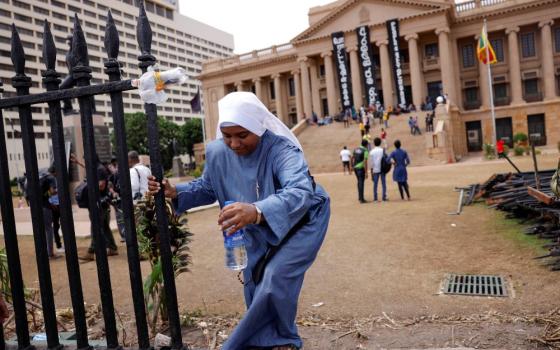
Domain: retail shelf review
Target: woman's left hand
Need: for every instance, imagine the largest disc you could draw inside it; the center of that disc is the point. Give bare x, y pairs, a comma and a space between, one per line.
235, 216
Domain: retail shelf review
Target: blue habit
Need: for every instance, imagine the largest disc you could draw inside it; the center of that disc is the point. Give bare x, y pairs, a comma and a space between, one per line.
275, 178
401, 162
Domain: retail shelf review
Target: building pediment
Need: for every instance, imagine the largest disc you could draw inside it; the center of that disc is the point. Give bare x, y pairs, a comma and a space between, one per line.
354, 13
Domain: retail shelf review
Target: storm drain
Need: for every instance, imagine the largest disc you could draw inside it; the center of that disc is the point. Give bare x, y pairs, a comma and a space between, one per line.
477, 285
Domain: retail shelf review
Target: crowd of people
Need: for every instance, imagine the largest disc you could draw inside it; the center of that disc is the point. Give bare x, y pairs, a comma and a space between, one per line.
109, 194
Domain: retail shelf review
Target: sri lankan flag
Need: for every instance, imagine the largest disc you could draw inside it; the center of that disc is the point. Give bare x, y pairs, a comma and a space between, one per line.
484, 51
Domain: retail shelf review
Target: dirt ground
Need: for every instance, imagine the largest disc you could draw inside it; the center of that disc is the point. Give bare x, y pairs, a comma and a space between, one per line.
379, 272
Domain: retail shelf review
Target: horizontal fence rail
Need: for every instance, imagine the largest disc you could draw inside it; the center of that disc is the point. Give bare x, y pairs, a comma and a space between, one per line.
79, 78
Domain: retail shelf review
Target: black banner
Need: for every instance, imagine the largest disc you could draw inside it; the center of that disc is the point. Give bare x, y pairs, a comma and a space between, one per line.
342, 69
393, 31
367, 64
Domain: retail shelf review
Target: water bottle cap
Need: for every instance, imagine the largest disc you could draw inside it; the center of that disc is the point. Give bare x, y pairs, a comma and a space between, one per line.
228, 203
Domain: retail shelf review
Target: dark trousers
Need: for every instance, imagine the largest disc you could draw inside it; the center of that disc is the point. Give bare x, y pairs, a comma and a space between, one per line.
106, 233
56, 226
403, 186
376, 177
361, 176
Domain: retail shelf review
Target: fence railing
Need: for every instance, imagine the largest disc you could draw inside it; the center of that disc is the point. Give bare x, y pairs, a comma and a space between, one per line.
81, 73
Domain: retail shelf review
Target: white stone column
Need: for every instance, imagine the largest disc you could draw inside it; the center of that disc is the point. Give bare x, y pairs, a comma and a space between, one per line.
445, 62
315, 96
298, 97
279, 98
416, 76
330, 81
483, 87
386, 73
356, 77
259, 91
514, 66
305, 86
547, 60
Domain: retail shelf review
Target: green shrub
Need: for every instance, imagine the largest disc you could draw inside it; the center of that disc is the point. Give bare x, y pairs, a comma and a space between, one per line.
489, 152
518, 150
520, 137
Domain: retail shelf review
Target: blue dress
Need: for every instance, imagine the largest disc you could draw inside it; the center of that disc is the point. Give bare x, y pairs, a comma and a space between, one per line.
401, 162
275, 178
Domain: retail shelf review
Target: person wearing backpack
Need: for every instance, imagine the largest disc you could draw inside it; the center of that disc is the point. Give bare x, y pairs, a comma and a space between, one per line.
139, 174
380, 166
47, 182
359, 162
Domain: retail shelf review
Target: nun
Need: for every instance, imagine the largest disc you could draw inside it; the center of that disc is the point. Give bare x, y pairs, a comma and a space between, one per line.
258, 163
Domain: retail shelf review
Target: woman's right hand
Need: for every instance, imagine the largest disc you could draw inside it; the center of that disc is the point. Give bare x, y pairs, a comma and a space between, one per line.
170, 191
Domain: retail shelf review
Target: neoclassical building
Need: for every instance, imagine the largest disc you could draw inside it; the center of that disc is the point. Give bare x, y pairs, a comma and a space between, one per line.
437, 46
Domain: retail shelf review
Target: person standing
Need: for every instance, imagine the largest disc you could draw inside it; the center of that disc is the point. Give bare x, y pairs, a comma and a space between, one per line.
105, 216
386, 119
376, 159
48, 188
346, 117
383, 136
138, 175
400, 176
362, 128
345, 156
359, 162
115, 194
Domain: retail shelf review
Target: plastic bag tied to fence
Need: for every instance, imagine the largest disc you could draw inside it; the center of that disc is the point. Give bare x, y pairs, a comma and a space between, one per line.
152, 84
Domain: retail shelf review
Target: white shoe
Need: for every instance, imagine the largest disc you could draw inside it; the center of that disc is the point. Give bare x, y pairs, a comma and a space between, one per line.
60, 250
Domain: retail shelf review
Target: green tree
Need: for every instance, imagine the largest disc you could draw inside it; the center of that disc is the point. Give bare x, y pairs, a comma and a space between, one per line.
189, 134
137, 136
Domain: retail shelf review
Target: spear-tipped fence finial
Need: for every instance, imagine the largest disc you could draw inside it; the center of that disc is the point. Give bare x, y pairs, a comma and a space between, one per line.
49, 48
17, 55
79, 46
144, 31
112, 42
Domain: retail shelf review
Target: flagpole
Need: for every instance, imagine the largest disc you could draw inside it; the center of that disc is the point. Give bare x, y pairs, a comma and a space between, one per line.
490, 88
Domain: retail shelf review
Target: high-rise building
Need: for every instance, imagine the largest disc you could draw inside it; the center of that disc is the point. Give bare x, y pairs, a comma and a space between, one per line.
178, 41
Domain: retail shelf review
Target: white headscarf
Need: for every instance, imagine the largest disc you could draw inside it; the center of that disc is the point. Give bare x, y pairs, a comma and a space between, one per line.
246, 110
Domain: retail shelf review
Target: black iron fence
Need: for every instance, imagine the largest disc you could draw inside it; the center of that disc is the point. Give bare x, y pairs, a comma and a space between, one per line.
81, 73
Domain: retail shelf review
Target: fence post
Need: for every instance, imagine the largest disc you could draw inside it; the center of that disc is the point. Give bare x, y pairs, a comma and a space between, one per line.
51, 81
82, 75
11, 243
22, 83
112, 68
144, 34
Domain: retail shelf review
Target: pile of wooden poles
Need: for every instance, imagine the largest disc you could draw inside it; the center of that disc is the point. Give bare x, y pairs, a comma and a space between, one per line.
525, 196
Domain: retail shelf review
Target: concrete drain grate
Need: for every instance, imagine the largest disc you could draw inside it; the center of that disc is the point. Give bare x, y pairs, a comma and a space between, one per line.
477, 285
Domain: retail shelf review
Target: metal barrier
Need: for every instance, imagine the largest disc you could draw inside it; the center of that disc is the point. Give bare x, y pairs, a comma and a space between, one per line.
81, 73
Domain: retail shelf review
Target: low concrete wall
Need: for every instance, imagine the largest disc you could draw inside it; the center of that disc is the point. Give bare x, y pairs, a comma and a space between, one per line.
299, 127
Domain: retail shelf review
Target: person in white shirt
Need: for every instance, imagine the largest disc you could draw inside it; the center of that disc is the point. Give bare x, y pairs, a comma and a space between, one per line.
375, 161
138, 175
345, 155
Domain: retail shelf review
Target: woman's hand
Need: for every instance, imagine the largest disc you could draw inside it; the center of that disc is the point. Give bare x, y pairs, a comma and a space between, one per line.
235, 216
170, 191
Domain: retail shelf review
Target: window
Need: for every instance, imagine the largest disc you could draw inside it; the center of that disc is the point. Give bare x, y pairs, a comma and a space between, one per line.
41, 10
500, 90
431, 50
22, 18
557, 39
322, 70
498, 46
5, 13
471, 95
528, 45
20, 4
468, 56
291, 87
57, 3
531, 87
272, 92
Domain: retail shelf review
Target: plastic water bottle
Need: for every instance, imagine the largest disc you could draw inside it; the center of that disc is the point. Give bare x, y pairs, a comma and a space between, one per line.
234, 244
